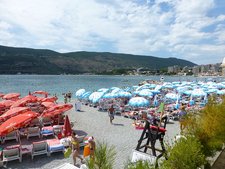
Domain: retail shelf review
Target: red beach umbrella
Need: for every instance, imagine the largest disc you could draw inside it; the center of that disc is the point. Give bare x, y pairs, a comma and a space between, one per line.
22, 102
11, 96
13, 112
67, 130
17, 122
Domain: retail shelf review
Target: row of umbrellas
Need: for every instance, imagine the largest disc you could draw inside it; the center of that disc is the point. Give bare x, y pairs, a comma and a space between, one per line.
17, 113
170, 91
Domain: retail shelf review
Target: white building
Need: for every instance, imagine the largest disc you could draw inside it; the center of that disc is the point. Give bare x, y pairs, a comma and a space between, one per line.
223, 67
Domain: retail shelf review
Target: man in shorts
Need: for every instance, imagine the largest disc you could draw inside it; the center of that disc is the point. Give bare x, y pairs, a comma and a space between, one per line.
111, 113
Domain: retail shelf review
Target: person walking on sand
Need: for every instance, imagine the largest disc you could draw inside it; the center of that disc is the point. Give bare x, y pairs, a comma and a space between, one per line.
91, 144
111, 113
75, 148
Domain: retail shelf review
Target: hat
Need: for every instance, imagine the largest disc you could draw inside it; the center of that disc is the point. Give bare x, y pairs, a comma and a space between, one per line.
90, 138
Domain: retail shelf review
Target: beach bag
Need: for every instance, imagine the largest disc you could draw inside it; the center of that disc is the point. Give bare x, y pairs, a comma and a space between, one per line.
86, 151
68, 152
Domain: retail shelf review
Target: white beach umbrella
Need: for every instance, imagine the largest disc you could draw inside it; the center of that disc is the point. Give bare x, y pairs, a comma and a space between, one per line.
138, 102
95, 96
79, 92
145, 93
172, 96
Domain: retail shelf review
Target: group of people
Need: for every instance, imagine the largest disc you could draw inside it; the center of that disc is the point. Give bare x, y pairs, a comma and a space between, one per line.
75, 146
67, 97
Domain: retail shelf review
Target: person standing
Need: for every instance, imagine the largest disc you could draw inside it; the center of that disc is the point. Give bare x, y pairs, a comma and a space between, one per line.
91, 144
111, 113
75, 148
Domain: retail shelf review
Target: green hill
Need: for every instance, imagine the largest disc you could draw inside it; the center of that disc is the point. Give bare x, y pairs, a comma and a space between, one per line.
42, 61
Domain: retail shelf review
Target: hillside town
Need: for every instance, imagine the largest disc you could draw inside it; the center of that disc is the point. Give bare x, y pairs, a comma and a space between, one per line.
217, 69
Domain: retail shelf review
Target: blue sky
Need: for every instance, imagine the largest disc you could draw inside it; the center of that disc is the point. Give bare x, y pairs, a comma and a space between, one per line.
193, 30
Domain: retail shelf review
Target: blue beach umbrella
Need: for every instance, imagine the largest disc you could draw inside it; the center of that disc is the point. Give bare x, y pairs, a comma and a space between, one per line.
123, 94
85, 95
138, 102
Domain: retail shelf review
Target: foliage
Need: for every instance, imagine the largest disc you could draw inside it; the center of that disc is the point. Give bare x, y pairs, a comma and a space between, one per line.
24, 60
105, 156
186, 153
139, 165
208, 126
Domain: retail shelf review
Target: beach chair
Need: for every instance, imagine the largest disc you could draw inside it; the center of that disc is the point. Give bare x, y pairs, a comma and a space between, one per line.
57, 129
12, 154
46, 121
35, 122
54, 145
11, 136
39, 148
33, 131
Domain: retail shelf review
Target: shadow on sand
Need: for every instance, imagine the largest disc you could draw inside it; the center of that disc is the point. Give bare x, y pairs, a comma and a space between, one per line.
118, 124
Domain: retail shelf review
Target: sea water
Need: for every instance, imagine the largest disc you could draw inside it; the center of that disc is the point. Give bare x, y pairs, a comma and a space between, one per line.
59, 84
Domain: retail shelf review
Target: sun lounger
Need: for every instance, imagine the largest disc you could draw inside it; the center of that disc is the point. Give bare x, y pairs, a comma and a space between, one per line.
33, 131
11, 154
11, 136
47, 131
57, 129
54, 145
46, 121
39, 148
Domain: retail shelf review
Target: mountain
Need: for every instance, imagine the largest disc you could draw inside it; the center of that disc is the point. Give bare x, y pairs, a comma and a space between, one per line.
42, 61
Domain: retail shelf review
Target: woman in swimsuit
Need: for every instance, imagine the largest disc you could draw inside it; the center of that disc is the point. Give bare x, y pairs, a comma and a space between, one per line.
91, 144
75, 148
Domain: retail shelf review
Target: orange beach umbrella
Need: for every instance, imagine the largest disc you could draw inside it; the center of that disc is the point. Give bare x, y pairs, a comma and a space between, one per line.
60, 107
48, 104
13, 112
56, 110
10, 96
6, 103
48, 99
41, 92
17, 122
22, 102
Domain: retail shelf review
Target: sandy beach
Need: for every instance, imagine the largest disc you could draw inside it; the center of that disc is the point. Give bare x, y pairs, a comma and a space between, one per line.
92, 122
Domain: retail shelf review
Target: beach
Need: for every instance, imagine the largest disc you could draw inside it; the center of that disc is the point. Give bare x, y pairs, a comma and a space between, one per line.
91, 122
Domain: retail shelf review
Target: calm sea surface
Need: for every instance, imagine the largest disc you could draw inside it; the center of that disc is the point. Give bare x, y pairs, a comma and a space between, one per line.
58, 84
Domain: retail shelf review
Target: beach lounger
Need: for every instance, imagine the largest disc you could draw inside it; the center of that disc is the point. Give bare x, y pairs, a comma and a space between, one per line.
46, 121
39, 148
54, 145
11, 136
12, 154
33, 131
47, 131
57, 129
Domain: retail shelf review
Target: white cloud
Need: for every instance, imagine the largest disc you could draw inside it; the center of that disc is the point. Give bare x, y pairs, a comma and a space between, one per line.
118, 26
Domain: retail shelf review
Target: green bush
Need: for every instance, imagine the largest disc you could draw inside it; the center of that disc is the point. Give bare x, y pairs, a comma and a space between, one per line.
105, 156
208, 126
139, 165
186, 153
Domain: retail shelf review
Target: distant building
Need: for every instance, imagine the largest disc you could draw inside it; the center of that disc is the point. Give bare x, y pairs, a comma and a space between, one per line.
196, 70
223, 67
174, 69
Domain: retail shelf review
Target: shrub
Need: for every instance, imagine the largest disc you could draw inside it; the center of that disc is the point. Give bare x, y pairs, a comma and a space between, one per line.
105, 156
139, 165
186, 153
